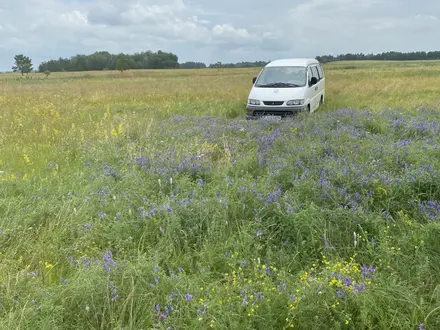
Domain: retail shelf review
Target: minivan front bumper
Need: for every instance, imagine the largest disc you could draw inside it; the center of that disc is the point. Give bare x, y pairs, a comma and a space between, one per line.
255, 111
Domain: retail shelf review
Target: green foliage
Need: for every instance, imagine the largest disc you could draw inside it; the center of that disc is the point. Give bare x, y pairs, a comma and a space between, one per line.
192, 65
22, 64
386, 56
99, 61
256, 64
122, 63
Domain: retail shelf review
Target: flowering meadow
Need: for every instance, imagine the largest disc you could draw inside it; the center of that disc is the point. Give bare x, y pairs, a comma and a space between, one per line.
145, 200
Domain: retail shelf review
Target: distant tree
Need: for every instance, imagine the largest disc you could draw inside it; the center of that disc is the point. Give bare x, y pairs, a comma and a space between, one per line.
192, 65
122, 63
217, 65
22, 64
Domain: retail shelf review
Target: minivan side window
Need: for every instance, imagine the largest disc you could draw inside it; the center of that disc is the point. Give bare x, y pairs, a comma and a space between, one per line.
310, 74
320, 71
315, 72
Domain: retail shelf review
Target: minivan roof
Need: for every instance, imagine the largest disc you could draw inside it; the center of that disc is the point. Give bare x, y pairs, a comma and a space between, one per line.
293, 62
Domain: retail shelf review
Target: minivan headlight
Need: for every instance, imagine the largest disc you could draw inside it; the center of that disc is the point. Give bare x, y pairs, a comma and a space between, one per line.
295, 102
254, 102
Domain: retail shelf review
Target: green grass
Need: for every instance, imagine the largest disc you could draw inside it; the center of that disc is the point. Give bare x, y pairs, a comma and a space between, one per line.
145, 200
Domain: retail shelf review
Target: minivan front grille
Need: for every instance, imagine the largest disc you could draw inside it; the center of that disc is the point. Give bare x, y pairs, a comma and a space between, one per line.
273, 102
258, 113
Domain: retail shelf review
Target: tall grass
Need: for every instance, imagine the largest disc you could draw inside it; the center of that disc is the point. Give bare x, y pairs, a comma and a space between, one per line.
145, 200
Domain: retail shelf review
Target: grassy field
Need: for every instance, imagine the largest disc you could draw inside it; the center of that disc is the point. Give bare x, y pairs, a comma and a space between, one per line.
144, 200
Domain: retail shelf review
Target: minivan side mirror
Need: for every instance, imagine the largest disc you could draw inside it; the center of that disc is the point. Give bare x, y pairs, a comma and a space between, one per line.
313, 81
254, 79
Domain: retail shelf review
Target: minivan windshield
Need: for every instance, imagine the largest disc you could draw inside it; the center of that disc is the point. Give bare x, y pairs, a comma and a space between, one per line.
282, 77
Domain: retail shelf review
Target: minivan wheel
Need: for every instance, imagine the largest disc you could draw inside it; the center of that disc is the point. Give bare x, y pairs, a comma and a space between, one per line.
321, 102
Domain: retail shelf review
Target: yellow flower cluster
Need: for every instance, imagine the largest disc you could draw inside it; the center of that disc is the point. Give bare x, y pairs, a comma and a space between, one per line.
336, 280
249, 285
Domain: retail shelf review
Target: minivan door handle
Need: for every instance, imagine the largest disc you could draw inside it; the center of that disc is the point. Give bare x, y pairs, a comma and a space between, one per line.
316, 88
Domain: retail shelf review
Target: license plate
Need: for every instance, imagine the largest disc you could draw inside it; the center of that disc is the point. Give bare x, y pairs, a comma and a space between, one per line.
271, 118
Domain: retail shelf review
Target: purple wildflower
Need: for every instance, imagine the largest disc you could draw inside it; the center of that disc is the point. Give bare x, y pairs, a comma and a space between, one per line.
364, 270
339, 293
108, 261
87, 227
244, 301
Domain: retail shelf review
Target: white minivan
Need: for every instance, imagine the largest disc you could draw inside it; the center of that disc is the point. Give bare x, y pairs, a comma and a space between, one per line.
285, 87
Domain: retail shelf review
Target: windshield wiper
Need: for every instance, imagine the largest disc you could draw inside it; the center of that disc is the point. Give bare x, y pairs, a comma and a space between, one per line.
278, 84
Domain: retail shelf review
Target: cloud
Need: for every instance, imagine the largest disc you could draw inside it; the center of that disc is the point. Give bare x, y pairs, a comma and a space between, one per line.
412, 24
339, 26
209, 31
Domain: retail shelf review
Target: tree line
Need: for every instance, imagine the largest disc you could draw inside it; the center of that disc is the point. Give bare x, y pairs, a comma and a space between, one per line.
386, 56
103, 60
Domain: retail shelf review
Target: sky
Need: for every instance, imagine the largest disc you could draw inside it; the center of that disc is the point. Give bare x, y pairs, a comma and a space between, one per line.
211, 31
